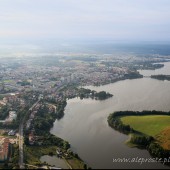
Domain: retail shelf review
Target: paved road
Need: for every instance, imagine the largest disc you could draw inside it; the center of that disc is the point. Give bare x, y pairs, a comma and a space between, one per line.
21, 141
2, 121
21, 155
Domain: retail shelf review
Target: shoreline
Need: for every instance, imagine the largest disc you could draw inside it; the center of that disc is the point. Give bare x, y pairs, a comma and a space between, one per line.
84, 86
137, 138
49, 143
65, 160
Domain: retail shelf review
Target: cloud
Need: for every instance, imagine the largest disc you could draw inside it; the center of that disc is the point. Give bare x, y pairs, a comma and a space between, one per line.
85, 18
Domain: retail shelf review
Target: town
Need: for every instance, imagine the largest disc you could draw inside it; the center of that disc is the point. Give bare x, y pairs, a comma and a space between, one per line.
34, 92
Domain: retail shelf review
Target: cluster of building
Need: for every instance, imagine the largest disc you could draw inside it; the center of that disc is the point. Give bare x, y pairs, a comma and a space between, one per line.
50, 78
31, 117
36, 74
12, 116
5, 148
14, 98
61, 154
31, 138
29, 124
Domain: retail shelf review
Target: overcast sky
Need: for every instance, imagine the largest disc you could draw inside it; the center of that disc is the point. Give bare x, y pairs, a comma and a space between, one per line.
85, 19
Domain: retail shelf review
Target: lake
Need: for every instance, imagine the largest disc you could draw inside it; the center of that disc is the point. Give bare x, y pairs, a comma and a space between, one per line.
164, 70
85, 122
54, 161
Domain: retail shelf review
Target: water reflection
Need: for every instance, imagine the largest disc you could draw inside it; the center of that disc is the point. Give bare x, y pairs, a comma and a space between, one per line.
54, 161
85, 122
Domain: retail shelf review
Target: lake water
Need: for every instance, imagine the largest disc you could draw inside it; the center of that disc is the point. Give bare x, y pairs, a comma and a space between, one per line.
54, 161
85, 122
165, 70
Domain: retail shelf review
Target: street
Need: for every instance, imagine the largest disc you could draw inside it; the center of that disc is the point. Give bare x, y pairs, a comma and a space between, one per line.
21, 139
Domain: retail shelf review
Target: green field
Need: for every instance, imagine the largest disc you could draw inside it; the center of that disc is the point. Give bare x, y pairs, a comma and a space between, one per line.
151, 125
7, 81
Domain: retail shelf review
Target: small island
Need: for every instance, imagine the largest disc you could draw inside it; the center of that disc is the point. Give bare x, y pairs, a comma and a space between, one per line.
161, 77
87, 93
147, 129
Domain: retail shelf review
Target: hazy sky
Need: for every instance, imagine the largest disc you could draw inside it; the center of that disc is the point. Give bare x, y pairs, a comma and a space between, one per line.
85, 19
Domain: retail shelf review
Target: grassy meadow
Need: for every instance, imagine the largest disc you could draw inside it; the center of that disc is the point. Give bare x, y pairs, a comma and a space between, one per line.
157, 126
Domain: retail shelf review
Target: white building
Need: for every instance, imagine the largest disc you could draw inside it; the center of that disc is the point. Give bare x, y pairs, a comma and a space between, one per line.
12, 115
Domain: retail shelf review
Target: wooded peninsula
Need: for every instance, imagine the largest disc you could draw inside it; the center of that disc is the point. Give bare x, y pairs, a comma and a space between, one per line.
161, 77
138, 138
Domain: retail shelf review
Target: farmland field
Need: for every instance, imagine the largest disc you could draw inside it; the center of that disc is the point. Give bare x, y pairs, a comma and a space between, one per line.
164, 138
157, 126
150, 125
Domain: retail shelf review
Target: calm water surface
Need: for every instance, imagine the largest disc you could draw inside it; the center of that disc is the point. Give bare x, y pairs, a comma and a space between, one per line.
85, 122
165, 70
54, 161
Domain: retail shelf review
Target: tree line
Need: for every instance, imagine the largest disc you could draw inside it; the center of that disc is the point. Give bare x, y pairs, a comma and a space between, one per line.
161, 77
86, 93
142, 140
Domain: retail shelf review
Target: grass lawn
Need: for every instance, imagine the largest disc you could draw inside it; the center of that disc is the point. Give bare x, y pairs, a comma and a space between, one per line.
151, 125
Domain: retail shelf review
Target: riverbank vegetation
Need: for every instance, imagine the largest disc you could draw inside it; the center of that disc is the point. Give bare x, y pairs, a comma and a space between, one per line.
145, 129
59, 107
33, 153
39, 141
161, 77
150, 65
132, 74
87, 93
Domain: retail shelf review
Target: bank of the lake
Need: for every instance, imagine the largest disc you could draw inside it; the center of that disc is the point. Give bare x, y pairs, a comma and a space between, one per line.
85, 122
143, 128
47, 143
54, 161
161, 77
164, 70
